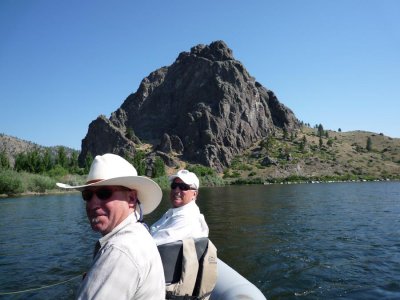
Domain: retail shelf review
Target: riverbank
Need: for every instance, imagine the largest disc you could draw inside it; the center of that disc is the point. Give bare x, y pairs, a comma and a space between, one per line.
212, 181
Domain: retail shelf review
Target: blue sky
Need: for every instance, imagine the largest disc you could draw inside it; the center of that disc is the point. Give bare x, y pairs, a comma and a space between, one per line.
63, 63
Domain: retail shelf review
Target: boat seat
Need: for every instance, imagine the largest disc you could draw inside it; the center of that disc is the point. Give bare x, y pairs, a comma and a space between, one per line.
171, 256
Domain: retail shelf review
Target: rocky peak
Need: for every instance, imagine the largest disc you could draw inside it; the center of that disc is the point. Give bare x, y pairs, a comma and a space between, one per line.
216, 51
204, 108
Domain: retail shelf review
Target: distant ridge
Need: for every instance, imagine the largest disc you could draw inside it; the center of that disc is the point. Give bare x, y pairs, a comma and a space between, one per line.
13, 146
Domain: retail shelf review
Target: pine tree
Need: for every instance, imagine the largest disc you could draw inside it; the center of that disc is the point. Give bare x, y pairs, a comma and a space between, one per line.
369, 144
4, 161
88, 162
303, 143
159, 167
320, 130
73, 162
285, 134
47, 160
62, 159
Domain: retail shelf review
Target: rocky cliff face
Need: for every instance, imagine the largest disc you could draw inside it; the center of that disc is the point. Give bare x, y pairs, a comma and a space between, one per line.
204, 108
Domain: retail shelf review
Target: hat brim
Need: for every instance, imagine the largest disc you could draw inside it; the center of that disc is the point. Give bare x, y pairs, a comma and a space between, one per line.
148, 192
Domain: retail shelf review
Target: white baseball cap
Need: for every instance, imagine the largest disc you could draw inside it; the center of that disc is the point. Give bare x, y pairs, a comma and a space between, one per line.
187, 177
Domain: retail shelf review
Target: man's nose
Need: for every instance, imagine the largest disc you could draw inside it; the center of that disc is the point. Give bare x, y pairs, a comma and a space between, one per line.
93, 202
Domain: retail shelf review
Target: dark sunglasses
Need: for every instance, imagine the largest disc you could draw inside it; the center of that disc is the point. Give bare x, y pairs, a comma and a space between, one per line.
182, 186
103, 193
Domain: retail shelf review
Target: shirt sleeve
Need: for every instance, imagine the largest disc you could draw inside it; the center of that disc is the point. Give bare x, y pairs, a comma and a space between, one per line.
113, 276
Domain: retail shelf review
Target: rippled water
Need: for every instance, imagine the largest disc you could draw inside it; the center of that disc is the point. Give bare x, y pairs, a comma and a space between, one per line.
306, 241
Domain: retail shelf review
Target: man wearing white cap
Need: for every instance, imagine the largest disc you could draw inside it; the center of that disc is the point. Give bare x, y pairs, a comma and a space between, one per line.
126, 262
184, 219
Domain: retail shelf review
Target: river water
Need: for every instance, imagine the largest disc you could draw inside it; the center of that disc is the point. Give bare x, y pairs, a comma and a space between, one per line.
303, 241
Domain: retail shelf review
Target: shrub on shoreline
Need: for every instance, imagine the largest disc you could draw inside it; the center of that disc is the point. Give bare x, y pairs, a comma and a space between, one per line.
13, 183
10, 183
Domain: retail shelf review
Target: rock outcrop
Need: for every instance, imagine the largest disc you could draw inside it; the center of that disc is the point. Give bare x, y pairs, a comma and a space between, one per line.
204, 108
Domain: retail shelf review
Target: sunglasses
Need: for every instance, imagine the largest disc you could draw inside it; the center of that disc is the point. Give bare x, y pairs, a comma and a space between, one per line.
182, 186
103, 193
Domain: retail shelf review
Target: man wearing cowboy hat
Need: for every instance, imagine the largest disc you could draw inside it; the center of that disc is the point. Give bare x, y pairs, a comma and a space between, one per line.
126, 263
184, 219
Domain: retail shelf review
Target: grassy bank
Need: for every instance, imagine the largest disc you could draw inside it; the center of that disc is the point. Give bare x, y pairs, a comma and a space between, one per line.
14, 183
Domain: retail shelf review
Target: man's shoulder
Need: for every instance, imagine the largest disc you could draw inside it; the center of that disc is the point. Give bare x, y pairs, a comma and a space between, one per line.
134, 240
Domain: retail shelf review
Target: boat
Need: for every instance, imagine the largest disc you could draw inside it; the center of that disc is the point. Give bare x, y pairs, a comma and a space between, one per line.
231, 285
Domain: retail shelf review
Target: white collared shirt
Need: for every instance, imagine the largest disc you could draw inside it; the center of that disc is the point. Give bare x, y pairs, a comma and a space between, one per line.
127, 266
180, 223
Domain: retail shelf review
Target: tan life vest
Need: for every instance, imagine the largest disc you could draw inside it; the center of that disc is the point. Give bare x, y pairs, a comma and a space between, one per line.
197, 263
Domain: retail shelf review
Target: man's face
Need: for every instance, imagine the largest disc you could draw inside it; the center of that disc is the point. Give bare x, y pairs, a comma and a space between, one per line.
180, 197
105, 214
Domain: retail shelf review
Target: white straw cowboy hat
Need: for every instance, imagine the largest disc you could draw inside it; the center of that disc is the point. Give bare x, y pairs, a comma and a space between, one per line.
111, 169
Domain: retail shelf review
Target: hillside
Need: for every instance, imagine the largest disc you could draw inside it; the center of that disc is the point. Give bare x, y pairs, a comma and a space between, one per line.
12, 146
342, 156
284, 158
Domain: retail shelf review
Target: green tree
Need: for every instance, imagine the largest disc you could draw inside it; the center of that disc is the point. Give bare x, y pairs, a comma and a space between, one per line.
321, 143
369, 144
4, 161
88, 162
21, 162
47, 160
159, 167
10, 183
302, 146
129, 133
139, 162
267, 143
73, 163
200, 170
292, 136
62, 158
30, 162
285, 134
320, 130
303, 143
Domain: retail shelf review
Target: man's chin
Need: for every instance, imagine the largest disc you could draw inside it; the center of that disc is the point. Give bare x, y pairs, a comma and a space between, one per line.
177, 203
98, 227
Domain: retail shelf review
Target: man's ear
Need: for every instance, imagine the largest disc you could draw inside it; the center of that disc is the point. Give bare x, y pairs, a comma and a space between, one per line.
132, 198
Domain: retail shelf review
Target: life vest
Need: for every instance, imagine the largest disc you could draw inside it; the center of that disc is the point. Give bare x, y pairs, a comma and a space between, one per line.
190, 268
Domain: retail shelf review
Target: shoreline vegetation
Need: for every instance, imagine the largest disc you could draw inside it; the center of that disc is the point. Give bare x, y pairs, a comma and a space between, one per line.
309, 155
17, 184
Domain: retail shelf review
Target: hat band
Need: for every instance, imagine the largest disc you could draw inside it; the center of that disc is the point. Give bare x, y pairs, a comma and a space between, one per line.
93, 181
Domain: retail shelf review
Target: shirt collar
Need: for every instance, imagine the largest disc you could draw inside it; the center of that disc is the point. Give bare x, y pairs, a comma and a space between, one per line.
188, 206
130, 219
